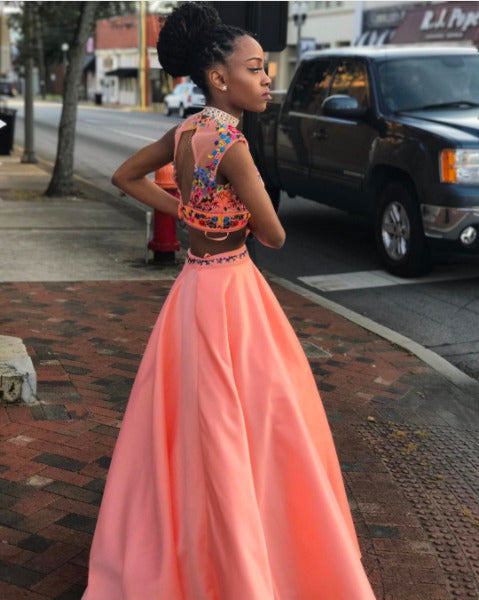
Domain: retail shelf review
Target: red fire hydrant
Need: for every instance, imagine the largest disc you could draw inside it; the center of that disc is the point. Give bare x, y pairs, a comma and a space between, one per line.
164, 242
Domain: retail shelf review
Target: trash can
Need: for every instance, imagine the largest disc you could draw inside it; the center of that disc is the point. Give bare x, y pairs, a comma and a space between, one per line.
7, 115
98, 99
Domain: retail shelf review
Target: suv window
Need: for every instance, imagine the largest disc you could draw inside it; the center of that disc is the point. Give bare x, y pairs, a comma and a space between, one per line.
351, 78
312, 85
197, 90
415, 82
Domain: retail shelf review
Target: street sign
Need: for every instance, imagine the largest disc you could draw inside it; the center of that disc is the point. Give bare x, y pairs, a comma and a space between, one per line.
307, 44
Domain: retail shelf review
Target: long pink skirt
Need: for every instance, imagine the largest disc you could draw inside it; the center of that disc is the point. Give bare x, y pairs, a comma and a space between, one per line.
224, 482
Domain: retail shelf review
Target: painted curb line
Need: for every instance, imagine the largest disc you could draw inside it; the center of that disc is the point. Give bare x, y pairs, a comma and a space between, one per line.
437, 362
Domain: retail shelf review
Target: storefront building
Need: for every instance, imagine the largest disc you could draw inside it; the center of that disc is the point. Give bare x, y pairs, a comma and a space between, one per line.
117, 60
320, 25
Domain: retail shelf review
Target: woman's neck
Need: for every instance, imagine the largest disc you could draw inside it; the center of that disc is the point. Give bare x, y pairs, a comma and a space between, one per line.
223, 115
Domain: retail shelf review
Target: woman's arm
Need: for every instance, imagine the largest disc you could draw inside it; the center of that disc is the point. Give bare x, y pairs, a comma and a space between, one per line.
131, 175
238, 168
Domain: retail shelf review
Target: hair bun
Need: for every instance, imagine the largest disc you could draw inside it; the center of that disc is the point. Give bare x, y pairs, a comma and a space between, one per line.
181, 35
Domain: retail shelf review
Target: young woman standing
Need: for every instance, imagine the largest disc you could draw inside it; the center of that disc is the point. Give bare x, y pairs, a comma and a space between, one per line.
224, 482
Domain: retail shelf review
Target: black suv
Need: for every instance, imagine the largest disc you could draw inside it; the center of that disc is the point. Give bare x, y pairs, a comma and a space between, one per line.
391, 132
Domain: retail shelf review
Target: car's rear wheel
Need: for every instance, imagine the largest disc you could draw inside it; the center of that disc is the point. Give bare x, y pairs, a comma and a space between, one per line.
399, 233
181, 112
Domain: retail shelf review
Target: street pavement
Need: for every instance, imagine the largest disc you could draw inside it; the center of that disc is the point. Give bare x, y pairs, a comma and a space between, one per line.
75, 287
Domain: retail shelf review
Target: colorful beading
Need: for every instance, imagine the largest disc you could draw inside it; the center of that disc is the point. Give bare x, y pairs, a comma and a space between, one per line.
216, 259
211, 207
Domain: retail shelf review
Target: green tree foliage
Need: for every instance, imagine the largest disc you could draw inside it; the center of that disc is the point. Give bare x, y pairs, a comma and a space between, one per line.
57, 23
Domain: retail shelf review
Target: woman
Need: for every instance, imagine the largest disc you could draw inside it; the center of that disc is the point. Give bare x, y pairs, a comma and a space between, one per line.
224, 483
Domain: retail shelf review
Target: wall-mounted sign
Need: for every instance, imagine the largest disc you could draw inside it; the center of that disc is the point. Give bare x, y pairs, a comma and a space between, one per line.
447, 21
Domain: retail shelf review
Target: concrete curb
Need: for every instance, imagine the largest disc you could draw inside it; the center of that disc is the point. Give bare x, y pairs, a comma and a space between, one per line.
457, 377
17, 375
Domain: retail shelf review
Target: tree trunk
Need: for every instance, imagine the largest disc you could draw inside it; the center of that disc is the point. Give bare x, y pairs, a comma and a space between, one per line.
38, 26
61, 183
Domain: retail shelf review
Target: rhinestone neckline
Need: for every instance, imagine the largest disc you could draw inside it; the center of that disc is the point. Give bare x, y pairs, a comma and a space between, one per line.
224, 117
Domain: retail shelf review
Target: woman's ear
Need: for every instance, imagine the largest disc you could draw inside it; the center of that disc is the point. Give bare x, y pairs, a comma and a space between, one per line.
216, 78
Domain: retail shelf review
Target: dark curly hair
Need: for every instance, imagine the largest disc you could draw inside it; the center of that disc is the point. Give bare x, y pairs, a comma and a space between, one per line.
193, 39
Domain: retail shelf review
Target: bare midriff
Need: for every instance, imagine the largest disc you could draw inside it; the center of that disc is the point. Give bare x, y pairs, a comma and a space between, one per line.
201, 245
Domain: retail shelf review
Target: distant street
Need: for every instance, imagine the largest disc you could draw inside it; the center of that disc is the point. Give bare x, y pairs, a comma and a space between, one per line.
327, 251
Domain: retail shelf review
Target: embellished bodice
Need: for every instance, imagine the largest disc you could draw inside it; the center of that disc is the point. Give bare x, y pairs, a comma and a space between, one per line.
211, 207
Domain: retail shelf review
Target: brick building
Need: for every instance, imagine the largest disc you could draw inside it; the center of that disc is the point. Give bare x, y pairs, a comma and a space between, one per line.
118, 60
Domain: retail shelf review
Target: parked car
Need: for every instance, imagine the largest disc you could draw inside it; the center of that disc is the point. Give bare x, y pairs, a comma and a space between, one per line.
7, 88
390, 132
185, 98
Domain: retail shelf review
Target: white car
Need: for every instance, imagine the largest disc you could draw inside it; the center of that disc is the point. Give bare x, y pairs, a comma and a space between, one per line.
185, 98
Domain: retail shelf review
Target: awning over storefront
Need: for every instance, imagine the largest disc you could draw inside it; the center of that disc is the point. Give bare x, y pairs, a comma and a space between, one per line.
123, 72
375, 37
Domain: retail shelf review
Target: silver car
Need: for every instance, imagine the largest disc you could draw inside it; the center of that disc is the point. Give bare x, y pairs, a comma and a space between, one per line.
185, 98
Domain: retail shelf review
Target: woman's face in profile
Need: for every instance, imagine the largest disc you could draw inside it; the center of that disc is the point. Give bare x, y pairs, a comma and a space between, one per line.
248, 84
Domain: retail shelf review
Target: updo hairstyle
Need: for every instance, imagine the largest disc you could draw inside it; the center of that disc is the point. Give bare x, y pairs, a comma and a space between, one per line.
193, 39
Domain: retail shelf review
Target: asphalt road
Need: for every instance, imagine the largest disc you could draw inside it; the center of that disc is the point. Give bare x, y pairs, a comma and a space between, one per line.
327, 251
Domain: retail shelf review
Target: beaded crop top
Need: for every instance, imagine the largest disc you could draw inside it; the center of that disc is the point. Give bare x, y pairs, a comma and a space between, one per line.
211, 207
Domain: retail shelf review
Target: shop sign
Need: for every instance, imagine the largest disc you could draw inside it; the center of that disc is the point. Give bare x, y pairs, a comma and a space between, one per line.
378, 19
444, 22
455, 18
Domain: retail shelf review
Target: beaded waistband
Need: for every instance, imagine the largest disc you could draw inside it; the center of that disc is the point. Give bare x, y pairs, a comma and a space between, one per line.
217, 259
214, 221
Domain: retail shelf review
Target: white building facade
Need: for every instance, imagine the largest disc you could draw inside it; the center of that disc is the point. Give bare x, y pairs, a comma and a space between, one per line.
330, 24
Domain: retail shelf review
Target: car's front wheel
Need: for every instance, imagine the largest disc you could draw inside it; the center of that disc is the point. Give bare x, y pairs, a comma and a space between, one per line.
399, 233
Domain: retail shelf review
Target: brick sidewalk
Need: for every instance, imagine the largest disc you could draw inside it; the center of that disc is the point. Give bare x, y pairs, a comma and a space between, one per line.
407, 440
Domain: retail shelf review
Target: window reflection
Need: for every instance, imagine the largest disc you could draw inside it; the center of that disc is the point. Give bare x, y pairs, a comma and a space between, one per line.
351, 79
413, 83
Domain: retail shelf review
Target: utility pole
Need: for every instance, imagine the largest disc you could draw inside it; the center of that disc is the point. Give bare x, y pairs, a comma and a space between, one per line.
29, 149
142, 52
1, 37
299, 16
358, 21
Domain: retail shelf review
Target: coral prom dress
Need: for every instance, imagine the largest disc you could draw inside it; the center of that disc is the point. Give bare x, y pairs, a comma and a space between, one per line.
224, 482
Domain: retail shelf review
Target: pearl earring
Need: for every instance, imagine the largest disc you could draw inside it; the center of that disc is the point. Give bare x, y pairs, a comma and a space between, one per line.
224, 88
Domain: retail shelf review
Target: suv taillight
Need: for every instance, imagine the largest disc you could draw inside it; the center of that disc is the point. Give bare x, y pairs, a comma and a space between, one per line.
188, 99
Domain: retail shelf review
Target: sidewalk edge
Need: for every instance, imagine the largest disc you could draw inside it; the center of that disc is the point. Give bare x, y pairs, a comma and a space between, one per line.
457, 377
137, 212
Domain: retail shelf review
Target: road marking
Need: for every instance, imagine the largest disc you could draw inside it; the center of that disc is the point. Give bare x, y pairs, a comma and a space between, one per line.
134, 135
357, 280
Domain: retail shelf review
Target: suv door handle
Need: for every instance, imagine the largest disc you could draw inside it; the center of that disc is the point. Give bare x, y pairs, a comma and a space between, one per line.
320, 134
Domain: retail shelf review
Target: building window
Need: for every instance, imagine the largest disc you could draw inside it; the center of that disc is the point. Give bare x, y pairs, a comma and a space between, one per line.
326, 4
